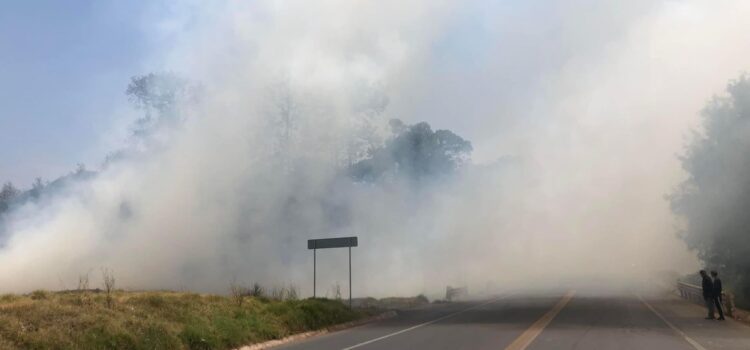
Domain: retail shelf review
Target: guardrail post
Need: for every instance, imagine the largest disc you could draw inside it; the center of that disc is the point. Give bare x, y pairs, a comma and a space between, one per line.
728, 299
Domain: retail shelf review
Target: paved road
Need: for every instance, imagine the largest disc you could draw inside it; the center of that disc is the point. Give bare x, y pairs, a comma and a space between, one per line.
541, 322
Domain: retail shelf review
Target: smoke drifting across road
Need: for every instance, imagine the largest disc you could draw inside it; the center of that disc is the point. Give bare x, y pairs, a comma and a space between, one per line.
575, 110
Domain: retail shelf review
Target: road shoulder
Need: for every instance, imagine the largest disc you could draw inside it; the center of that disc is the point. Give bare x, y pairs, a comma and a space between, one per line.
301, 336
710, 334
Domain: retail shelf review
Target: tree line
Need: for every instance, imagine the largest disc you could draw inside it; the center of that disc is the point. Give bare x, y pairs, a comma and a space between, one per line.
415, 153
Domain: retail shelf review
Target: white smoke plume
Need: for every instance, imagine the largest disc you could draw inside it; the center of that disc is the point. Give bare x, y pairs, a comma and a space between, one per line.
576, 111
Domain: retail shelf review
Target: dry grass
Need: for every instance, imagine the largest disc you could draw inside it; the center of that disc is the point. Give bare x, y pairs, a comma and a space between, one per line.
156, 320
391, 303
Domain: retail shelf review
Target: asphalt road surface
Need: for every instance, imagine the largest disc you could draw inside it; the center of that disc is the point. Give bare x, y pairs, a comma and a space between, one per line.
566, 321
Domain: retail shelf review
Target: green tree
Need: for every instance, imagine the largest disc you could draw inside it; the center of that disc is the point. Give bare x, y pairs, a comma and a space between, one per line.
8, 194
37, 188
715, 198
162, 97
416, 152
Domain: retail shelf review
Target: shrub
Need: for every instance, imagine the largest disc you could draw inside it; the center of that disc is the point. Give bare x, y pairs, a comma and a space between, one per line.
109, 286
257, 291
155, 300
292, 292
8, 298
83, 297
39, 294
238, 293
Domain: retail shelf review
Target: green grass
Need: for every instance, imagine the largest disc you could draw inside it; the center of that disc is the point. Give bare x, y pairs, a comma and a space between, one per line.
157, 320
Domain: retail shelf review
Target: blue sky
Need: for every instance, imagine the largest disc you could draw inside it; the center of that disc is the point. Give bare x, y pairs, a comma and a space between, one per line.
64, 66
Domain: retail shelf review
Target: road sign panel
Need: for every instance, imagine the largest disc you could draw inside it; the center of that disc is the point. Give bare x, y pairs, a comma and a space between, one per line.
339, 242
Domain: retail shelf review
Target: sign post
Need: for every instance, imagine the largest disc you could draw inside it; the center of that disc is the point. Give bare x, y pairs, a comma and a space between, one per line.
324, 243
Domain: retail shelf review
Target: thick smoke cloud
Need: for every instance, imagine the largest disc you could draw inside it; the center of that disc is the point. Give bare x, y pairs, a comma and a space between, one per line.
575, 110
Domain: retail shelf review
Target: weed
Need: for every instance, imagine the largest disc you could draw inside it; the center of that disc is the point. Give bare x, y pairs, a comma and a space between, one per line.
238, 293
257, 291
158, 320
109, 285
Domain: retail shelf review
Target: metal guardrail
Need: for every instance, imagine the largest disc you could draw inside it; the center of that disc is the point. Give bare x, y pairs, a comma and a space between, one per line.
694, 293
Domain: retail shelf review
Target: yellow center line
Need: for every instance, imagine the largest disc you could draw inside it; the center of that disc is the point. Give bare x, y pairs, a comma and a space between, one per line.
528, 336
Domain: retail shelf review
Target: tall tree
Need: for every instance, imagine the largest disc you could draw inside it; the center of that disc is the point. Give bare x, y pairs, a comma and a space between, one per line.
284, 113
36, 188
369, 105
415, 152
161, 96
7, 195
715, 198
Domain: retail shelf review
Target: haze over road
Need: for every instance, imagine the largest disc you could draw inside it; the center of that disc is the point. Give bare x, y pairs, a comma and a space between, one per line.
550, 321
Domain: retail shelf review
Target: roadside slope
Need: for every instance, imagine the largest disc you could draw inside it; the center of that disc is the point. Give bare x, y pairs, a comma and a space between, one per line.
158, 320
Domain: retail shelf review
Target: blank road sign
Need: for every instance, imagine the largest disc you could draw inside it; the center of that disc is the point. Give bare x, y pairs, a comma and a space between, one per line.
340, 242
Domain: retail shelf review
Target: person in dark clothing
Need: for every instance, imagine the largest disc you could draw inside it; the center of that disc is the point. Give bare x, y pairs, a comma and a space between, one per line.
708, 294
717, 293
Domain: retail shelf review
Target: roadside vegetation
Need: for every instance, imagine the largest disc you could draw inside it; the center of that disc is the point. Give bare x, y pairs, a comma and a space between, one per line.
714, 198
116, 319
392, 302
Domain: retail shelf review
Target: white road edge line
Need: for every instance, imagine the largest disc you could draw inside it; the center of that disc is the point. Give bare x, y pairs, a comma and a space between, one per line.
421, 324
674, 328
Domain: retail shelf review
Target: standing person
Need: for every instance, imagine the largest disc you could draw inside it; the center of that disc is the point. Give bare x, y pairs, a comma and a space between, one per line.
717, 293
708, 294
